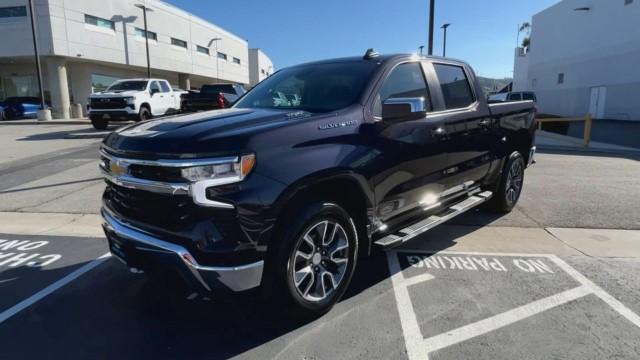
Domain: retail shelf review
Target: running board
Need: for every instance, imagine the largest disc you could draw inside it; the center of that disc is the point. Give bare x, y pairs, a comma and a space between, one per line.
432, 221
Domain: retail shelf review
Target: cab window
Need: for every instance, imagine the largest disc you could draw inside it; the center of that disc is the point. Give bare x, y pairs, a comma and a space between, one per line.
406, 80
165, 87
455, 86
154, 87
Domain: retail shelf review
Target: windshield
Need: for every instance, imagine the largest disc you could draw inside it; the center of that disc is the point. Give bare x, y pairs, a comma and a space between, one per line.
314, 88
136, 85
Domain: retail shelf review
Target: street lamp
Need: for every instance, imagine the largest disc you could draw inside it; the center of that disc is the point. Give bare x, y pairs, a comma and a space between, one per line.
420, 48
444, 44
432, 9
211, 42
37, 57
146, 35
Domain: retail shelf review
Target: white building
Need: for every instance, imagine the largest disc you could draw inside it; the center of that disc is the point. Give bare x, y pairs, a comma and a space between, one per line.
584, 58
87, 44
260, 66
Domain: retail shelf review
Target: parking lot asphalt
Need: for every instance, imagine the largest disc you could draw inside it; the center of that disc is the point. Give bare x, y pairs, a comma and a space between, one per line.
556, 278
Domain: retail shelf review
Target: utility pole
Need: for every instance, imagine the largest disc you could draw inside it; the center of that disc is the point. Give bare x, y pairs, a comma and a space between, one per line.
211, 42
444, 45
37, 56
432, 7
146, 35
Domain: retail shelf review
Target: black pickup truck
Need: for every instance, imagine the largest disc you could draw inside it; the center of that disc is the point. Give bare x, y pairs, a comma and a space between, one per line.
211, 97
287, 195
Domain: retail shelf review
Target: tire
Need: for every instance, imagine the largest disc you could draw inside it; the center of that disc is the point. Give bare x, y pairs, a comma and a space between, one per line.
310, 270
99, 123
144, 114
507, 191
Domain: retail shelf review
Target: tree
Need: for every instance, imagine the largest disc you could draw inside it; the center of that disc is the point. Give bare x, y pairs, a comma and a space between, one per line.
526, 42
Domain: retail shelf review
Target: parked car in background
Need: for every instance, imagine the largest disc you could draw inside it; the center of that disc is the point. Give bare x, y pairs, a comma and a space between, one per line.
513, 96
19, 107
210, 97
308, 171
133, 99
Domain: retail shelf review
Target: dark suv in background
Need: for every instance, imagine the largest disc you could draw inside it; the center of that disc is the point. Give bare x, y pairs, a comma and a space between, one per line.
211, 97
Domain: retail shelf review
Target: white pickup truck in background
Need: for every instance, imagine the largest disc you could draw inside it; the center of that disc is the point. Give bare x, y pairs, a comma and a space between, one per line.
132, 99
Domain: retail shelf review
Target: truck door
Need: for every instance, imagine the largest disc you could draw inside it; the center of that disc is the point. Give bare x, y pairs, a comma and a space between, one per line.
157, 101
468, 124
409, 168
169, 98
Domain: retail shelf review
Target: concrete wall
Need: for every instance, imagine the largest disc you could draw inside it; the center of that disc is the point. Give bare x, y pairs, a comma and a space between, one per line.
520, 70
260, 66
595, 48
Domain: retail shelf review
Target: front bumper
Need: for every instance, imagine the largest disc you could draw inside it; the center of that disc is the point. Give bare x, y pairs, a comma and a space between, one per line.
136, 248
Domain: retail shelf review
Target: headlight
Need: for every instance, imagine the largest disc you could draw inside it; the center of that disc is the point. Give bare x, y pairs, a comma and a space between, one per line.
226, 173
130, 100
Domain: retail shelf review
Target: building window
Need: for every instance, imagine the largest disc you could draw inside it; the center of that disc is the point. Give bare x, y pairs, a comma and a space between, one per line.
178, 42
236, 60
152, 36
628, 2
13, 11
203, 50
561, 78
222, 56
262, 71
99, 22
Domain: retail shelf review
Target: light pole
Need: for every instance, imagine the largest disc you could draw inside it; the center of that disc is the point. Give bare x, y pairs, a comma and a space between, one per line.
432, 8
444, 45
146, 35
211, 42
420, 48
37, 57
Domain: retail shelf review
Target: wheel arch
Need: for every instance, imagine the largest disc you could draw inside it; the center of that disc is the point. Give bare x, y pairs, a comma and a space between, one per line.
343, 187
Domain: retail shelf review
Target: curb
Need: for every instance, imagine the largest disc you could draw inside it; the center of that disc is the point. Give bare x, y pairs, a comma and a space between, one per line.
52, 122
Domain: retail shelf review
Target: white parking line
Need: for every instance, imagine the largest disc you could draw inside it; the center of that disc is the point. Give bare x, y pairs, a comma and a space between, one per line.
419, 348
51, 288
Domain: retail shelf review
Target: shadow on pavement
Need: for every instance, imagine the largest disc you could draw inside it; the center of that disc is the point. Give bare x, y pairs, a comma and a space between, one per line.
111, 313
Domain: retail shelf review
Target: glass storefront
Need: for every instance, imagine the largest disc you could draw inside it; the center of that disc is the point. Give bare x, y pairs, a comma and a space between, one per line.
25, 85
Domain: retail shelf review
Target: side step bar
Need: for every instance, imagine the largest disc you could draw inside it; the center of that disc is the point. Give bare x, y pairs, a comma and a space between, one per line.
432, 221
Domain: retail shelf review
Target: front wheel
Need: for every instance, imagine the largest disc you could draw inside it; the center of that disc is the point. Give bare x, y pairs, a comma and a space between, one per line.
509, 187
144, 114
317, 256
99, 123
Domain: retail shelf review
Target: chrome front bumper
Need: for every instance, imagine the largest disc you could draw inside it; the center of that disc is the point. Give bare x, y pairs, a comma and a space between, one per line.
236, 278
532, 156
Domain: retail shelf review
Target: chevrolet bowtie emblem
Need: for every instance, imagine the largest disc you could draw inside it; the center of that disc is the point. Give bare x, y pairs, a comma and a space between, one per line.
118, 168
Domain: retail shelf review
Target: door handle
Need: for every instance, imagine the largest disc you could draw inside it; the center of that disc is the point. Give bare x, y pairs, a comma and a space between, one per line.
438, 132
484, 123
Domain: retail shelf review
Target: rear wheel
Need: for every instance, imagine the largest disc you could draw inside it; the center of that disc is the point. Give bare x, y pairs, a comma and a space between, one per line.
99, 123
144, 114
317, 256
509, 187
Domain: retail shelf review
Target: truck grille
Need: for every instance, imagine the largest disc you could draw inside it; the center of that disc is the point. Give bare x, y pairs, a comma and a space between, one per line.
108, 103
170, 212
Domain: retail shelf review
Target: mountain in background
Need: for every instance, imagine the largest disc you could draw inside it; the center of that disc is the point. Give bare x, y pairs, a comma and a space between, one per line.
492, 85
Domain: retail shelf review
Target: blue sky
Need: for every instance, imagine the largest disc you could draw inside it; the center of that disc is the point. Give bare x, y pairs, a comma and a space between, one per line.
483, 32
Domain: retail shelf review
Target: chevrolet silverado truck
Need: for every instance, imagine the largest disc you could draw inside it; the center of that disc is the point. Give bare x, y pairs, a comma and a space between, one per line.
287, 196
133, 99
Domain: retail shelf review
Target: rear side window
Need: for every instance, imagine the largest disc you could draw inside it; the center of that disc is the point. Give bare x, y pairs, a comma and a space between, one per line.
227, 89
515, 97
455, 86
406, 80
165, 87
528, 96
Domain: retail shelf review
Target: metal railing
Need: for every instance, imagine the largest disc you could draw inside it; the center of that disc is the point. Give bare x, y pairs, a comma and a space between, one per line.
588, 123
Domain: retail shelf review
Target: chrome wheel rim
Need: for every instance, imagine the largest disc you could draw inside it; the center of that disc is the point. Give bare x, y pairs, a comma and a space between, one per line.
320, 261
514, 181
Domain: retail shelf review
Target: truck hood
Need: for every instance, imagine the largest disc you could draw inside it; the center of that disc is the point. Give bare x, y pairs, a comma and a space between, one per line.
212, 133
115, 93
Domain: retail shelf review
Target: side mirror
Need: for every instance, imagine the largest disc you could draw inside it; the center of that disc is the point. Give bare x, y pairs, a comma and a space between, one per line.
404, 109
154, 91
